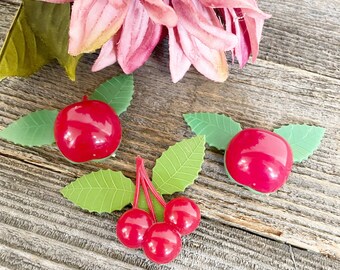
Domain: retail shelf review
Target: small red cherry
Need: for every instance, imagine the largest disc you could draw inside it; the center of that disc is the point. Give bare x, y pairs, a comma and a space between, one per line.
183, 214
131, 227
87, 130
162, 243
259, 159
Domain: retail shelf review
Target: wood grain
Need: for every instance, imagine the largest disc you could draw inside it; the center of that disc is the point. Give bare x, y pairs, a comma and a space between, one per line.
41, 230
303, 34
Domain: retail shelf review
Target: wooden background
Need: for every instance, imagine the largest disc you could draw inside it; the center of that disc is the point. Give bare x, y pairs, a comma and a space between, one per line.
296, 80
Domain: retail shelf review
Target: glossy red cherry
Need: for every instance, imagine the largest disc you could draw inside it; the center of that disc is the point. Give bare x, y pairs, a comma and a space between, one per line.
259, 159
162, 243
131, 227
87, 130
183, 214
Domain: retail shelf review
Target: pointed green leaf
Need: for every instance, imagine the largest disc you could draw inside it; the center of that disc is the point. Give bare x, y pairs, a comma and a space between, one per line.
217, 128
50, 23
34, 129
159, 209
117, 92
179, 166
303, 139
102, 191
22, 53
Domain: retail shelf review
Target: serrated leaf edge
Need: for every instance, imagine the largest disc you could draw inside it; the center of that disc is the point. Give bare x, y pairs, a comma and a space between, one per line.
62, 191
309, 153
128, 104
196, 173
28, 145
187, 115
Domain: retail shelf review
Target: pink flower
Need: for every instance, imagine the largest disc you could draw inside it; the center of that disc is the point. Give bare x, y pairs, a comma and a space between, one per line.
245, 20
129, 30
94, 22
133, 45
200, 40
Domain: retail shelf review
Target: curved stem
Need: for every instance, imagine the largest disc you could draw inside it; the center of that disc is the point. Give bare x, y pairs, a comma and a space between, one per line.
140, 167
153, 190
137, 190
148, 200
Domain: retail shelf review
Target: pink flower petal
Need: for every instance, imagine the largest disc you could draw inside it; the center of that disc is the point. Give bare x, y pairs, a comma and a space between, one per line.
93, 22
247, 29
139, 37
251, 5
203, 23
57, 1
108, 54
160, 12
179, 63
243, 48
210, 62
228, 21
254, 26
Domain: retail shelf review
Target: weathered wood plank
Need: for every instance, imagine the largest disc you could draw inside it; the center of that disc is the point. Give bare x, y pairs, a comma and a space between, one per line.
41, 230
305, 213
303, 34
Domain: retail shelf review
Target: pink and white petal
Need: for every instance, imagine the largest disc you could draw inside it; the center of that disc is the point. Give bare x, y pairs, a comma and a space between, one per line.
202, 22
179, 63
210, 62
94, 22
239, 27
160, 12
229, 3
139, 37
251, 5
229, 26
254, 27
57, 1
107, 55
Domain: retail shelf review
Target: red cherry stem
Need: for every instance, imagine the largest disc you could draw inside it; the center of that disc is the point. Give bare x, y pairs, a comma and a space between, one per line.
140, 167
137, 190
153, 190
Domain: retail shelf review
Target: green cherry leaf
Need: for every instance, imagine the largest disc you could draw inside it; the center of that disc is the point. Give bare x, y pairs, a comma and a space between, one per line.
34, 129
50, 23
159, 209
117, 92
179, 166
217, 128
22, 53
102, 192
303, 139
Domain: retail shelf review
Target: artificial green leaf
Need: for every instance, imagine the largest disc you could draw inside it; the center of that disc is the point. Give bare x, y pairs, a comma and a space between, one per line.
102, 191
158, 208
179, 166
303, 139
217, 128
50, 23
117, 92
34, 129
22, 53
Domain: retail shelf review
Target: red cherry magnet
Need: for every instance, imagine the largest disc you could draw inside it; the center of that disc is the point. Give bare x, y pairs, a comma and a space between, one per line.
160, 241
87, 130
258, 159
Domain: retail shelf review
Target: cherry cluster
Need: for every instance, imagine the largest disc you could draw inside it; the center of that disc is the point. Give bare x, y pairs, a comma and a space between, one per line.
160, 241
